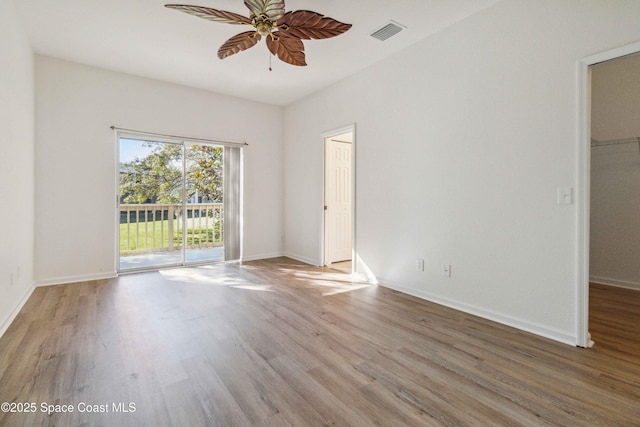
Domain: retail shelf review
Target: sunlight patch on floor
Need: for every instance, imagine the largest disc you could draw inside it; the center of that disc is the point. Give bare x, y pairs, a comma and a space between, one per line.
211, 276
337, 282
343, 289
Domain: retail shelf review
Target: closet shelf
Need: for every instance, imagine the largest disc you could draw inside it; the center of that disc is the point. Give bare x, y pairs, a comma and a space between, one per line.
596, 143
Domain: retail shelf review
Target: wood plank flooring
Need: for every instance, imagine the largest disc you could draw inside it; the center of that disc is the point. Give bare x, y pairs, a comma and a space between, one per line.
276, 342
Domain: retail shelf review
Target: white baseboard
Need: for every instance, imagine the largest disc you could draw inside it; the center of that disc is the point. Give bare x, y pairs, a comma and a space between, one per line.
281, 254
521, 324
262, 256
75, 279
614, 282
306, 260
11, 317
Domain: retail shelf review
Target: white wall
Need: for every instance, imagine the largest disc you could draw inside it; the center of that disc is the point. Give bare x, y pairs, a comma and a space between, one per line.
75, 160
615, 173
16, 164
462, 141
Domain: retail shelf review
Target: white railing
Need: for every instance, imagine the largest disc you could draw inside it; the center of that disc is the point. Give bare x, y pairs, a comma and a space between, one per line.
152, 227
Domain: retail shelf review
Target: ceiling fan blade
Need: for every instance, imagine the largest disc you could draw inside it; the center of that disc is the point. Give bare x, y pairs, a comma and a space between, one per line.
212, 14
274, 9
238, 43
288, 49
306, 25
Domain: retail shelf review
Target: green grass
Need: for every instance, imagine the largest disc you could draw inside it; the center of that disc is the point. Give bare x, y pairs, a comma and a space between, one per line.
146, 233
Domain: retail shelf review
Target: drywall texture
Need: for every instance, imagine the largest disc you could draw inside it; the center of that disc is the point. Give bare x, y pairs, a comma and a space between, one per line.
462, 141
76, 150
615, 173
16, 163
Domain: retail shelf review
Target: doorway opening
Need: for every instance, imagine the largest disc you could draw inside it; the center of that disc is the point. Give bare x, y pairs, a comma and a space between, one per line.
175, 198
614, 245
339, 205
597, 134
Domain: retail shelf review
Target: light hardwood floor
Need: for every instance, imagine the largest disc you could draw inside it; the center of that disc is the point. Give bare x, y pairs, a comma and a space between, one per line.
277, 342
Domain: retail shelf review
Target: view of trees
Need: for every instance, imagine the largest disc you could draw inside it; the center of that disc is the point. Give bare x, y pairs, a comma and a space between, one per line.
157, 177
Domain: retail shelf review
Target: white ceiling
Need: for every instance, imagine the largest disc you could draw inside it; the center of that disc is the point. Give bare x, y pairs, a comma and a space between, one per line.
143, 38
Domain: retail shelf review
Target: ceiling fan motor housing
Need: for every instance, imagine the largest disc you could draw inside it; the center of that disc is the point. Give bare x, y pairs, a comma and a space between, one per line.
263, 26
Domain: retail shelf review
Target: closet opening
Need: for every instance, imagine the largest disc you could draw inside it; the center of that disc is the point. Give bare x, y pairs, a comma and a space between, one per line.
614, 245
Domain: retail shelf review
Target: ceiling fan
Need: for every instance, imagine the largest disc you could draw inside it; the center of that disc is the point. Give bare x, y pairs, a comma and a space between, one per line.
284, 31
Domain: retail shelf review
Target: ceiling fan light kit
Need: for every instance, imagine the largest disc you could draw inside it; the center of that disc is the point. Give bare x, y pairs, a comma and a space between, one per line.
284, 31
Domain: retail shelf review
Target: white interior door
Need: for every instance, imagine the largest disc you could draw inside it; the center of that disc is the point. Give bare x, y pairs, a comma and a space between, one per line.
338, 199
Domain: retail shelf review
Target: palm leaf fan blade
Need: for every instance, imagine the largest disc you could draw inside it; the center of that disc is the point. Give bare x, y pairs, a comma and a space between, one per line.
211, 14
238, 43
307, 25
273, 9
288, 49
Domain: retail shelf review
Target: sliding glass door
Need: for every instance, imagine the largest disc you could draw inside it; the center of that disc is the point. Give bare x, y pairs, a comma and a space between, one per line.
204, 210
171, 203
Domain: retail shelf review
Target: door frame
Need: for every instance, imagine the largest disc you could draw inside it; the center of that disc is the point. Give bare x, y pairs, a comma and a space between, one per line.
584, 187
323, 241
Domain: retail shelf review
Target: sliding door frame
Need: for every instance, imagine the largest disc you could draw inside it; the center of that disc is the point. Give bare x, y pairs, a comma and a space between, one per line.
183, 142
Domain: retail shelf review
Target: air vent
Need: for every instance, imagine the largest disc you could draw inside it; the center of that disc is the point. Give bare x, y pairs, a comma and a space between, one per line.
388, 31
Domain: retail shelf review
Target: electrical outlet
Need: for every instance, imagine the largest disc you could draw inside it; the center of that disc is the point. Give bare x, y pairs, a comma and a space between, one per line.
419, 264
446, 270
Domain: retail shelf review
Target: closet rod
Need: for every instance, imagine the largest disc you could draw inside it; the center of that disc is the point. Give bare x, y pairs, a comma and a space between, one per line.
596, 143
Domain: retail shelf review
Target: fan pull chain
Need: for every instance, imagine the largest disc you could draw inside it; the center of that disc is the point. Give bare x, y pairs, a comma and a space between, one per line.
270, 62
